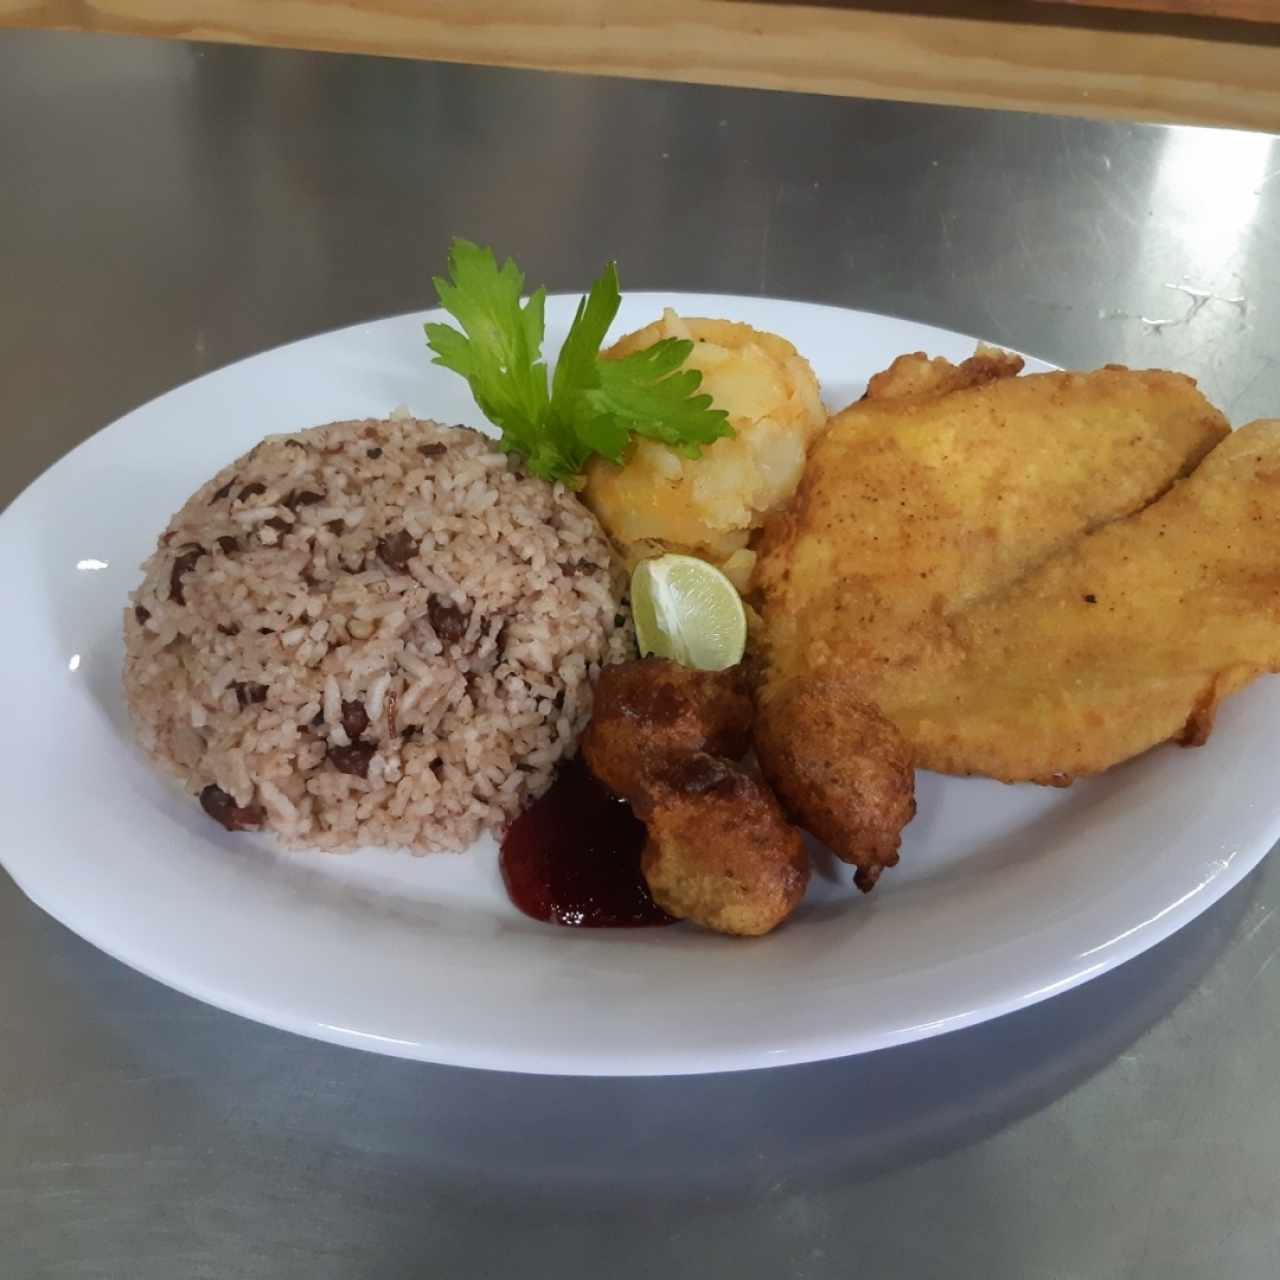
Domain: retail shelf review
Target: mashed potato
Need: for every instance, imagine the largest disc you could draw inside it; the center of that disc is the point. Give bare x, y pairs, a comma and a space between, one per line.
660, 500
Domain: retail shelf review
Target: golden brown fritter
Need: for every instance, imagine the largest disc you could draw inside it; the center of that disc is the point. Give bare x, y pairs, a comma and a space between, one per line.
917, 375
1129, 638
720, 852
841, 770
649, 710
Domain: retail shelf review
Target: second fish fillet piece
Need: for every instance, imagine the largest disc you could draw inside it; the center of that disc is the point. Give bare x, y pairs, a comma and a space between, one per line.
1127, 639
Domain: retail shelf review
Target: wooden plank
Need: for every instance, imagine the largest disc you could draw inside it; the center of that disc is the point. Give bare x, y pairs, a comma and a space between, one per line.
944, 56
1238, 10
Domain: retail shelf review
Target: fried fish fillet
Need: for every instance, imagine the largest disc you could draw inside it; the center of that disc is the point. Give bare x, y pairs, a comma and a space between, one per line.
1129, 638
917, 375
915, 507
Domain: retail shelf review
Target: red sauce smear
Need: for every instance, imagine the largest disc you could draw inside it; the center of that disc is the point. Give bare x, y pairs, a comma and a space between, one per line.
573, 857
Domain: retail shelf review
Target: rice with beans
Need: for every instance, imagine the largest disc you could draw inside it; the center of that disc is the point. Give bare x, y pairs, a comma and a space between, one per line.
371, 633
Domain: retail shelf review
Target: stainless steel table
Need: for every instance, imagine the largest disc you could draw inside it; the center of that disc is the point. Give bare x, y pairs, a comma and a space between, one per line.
165, 209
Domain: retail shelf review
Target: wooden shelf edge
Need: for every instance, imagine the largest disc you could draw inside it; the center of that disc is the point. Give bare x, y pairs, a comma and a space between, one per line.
1232, 10
956, 61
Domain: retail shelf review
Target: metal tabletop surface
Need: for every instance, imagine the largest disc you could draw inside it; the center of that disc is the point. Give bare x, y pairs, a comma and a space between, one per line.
167, 208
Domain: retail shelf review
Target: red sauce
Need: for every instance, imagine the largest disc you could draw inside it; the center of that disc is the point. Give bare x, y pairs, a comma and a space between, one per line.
573, 857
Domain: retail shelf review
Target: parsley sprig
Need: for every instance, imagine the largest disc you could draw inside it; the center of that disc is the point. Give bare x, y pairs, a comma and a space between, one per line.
593, 405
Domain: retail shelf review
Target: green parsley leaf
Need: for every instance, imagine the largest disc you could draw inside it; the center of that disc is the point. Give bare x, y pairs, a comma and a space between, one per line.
499, 353
645, 391
594, 405
575, 370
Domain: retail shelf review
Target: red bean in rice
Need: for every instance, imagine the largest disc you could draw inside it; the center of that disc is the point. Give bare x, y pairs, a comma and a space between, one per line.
372, 633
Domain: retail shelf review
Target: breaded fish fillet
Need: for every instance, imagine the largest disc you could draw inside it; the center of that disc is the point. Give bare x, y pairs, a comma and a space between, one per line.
1128, 638
917, 375
914, 508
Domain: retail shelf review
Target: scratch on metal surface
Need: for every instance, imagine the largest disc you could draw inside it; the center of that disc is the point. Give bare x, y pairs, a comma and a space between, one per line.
1267, 366
1266, 964
1113, 205
1198, 300
1207, 295
944, 226
764, 239
1262, 924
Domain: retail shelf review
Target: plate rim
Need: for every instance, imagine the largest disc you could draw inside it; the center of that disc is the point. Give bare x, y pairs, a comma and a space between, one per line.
673, 1059
421, 313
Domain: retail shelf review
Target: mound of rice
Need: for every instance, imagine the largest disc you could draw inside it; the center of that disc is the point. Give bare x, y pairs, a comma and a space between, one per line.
377, 632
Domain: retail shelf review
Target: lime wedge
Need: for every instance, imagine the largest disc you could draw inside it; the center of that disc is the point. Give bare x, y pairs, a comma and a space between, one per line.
687, 610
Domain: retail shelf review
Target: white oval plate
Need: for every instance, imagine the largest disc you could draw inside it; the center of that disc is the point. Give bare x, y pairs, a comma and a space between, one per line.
1005, 895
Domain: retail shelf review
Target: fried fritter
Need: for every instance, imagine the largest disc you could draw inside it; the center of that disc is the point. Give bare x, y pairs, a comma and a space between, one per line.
914, 510
1129, 638
720, 852
648, 710
841, 770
